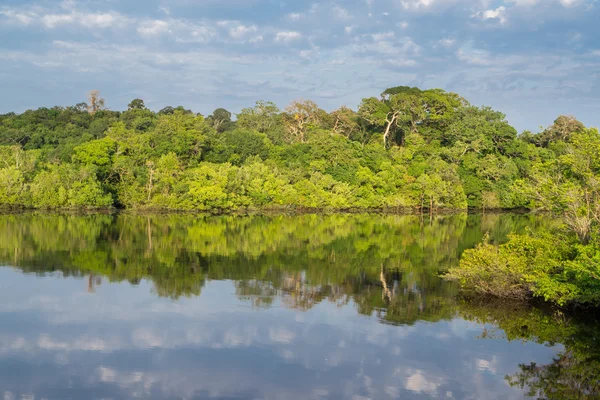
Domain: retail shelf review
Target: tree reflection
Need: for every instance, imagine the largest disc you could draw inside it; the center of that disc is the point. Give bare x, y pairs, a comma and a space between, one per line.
574, 372
386, 264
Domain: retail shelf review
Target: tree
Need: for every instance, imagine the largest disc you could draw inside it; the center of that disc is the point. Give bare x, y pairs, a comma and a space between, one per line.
300, 115
381, 115
564, 126
570, 184
236, 146
219, 118
167, 110
136, 104
397, 114
346, 122
263, 117
402, 110
95, 102
13, 190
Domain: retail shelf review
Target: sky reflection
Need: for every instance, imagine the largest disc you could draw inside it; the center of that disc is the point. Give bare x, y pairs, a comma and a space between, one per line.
59, 341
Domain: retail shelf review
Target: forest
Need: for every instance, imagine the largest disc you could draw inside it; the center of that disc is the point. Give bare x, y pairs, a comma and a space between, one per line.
407, 148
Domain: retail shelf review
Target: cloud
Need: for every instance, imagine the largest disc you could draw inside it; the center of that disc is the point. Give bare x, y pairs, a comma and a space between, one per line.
417, 4
498, 14
419, 382
153, 28
287, 36
54, 20
20, 18
346, 50
531, 3
341, 13
295, 16
474, 56
242, 31
446, 42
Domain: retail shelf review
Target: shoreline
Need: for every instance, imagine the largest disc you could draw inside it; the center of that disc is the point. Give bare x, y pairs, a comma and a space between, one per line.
271, 211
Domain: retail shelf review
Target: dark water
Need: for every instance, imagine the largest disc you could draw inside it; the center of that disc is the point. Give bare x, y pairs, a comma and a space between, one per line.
303, 307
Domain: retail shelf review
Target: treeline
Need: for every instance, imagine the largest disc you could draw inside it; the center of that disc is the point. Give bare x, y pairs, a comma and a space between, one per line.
425, 149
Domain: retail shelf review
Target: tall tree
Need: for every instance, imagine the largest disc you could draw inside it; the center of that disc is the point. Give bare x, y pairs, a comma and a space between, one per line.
136, 104
219, 118
262, 117
300, 115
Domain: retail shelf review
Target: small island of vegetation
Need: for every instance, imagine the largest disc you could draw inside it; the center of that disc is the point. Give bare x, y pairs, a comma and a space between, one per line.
427, 150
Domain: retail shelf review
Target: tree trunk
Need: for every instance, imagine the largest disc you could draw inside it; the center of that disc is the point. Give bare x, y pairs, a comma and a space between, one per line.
431, 206
388, 128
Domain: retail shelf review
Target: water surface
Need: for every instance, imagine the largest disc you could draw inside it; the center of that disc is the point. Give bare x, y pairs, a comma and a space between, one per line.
281, 307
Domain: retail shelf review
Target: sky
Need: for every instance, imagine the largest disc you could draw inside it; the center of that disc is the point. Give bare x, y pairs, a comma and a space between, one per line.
531, 59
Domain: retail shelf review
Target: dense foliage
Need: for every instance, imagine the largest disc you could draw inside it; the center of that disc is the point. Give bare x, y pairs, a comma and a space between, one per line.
562, 266
407, 148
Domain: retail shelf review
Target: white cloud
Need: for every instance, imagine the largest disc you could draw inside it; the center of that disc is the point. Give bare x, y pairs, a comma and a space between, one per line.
153, 28
52, 20
90, 20
416, 4
180, 30
570, 3
17, 17
295, 16
446, 42
487, 365
99, 20
241, 31
399, 63
287, 36
418, 382
433, 5
396, 50
474, 56
382, 36
531, 3
48, 64
341, 13
523, 3
495, 14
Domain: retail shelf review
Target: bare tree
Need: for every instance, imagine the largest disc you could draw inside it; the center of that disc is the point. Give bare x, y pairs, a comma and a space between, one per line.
95, 102
299, 115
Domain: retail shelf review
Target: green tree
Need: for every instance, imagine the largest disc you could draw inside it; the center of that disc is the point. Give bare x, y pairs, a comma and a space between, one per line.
219, 119
136, 104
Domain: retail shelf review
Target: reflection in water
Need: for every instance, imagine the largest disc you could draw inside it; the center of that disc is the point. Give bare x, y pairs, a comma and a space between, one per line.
268, 307
573, 373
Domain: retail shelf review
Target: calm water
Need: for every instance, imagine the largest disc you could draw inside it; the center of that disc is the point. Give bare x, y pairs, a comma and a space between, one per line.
284, 307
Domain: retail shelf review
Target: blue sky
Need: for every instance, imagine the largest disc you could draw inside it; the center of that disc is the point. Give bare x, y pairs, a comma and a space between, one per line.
531, 59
